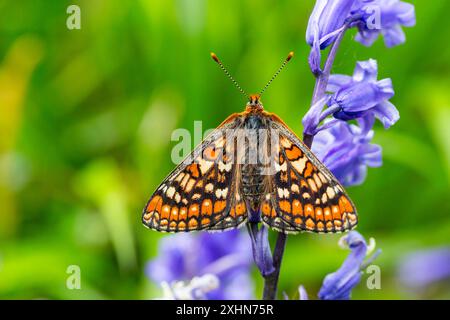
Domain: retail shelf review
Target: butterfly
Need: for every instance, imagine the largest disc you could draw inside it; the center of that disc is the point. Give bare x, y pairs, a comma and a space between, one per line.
251, 168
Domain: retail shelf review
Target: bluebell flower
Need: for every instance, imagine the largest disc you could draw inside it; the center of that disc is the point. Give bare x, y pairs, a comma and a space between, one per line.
327, 17
226, 255
353, 97
423, 268
384, 17
261, 249
338, 285
324, 25
372, 17
346, 151
362, 94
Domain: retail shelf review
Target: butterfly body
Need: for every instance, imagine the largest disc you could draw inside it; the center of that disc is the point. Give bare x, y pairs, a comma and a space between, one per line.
252, 172
252, 168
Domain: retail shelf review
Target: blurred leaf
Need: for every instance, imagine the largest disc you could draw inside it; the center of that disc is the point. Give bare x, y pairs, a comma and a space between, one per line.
410, 152
100, 183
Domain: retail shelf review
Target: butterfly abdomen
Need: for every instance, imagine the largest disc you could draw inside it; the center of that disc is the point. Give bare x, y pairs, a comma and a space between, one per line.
252, 168
252, 189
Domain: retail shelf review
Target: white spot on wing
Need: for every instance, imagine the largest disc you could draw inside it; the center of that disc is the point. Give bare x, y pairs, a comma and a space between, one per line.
285, 143
312, 184
221, 193
299, 164
280, 193
225, 167
317, 181
180, 177
190, 185
170, 192
204, 165
322, 177
209, 187
283, 167
330, 192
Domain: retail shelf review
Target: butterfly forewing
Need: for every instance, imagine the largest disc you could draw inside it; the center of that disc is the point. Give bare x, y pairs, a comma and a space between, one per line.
202, 192
303, 195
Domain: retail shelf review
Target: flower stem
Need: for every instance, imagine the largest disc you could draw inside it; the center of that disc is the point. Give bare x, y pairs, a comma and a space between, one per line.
271, 281
320, 87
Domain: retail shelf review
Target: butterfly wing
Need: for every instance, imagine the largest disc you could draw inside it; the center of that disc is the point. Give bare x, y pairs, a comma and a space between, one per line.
202, 192
302, 194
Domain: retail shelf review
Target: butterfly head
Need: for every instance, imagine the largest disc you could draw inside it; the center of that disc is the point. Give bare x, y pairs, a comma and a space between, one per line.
254, 103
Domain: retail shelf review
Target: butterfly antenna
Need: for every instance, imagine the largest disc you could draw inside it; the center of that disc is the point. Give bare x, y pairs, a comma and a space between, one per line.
216, 59
289, 57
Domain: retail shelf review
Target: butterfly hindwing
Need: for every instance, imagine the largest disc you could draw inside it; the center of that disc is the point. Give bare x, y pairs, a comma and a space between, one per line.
201, 192
303, 195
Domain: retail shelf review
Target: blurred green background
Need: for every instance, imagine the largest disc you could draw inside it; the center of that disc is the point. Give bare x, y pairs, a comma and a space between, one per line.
86, 118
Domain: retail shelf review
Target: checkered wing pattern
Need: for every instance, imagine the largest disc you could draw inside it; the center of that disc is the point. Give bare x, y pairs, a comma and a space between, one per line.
303, 195
202, 193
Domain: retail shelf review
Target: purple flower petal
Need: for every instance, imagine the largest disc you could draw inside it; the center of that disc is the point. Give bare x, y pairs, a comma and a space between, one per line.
312, 118
365, 125
346, 150
393, 36
173, 262
387, 113
355, 177
406, 14
366, 71
371, 155
262, 254
359, 96
337, 81
314, 58
338, 285
327, 17
367, 38
389, 16
362, 96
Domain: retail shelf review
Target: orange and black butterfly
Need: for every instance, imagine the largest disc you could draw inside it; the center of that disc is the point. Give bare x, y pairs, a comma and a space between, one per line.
252, 168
